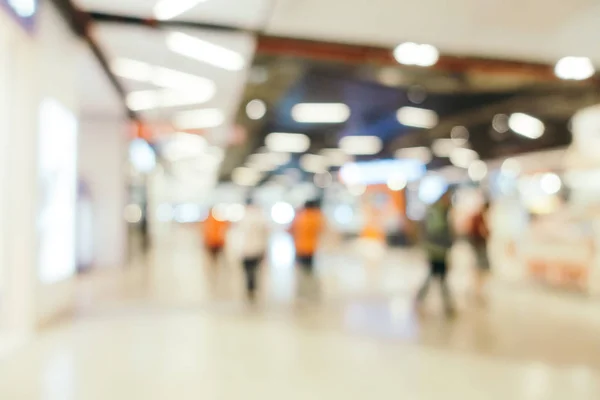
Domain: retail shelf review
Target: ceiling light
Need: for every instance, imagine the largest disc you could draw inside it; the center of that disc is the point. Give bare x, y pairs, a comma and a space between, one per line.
256, 109
245, 176
423, 55
357, 190
550, 183
184, 145
379, 171
526, 125
417, 117
199, 119
459, 135
151, 99
169, 9
574, 68
361, 145
420, 153
462, 158
477, 170
132, 69
500, 123
335, 157
287, 142
416, 94
396, 182
443, 147
163, 77
204, 51
333, 113
313, 163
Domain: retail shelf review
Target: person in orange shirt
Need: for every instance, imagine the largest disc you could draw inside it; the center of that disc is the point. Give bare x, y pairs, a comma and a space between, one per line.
306, 230
214, 233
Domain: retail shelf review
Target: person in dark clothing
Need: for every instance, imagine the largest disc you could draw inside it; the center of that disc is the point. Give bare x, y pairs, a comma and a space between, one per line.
438, 241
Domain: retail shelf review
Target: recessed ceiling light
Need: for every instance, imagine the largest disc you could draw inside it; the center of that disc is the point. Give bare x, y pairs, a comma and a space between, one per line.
423, 55
256, 109
245, 176
417, 117
462, 157
313, 163
361, 145
526, 125
443, 147
287, 142
169, 9
500, 123
477, 170
420, 153
199, 119
459, 135
574, 68
204, 51
151, 99
163, 77
336, 157
330, 113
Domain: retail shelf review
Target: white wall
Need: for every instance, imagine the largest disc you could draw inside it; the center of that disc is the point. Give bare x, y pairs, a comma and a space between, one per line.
102, 157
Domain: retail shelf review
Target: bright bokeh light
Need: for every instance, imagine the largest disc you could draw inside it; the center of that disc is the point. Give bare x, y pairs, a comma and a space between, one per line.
142, 156
313, 163
500, 123
335, 157
245, 176
343, 214
219, 212
397, 182
421, 153
526, 125
235, 212
132, 213
462, 157
152, 99
184, 145
321, 113
361, 145
477, 170
287, 142
550, 183
256, 109
422, 55
187, 213
205, 51
23, 8
282, 213
432, 187
357, 189
199, 119
459, 135
574, 68
164, 213
380, 171
417, 117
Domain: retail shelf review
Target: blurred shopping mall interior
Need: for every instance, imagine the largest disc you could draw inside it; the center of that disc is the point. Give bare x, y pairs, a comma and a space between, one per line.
146, 145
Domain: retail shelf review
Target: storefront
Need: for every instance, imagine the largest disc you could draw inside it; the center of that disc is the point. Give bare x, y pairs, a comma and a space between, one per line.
38, 137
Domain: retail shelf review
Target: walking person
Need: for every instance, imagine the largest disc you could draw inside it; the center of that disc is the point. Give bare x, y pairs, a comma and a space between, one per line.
214, 231
479, 234
306, 230
438, 241
254, 236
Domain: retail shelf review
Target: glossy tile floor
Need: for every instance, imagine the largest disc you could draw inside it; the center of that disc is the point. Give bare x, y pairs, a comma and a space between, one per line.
174, 327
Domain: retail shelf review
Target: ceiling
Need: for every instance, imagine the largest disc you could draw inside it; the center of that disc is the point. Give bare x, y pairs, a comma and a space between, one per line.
534, 31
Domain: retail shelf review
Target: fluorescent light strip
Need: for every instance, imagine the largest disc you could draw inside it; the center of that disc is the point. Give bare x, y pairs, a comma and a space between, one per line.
199, 119
207, 52
526, 125
152, 99
420, 153
417, 117
361, 145
287, 142
163, 77
328, 113
169, 9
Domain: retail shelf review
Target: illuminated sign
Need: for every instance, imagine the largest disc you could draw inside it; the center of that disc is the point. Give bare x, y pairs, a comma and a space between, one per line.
23, 10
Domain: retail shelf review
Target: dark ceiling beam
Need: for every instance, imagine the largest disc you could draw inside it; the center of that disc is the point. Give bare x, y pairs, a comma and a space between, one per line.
347, 53
79, 22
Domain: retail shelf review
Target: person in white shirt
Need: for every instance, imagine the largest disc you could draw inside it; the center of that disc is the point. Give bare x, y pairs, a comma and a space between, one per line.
254, 235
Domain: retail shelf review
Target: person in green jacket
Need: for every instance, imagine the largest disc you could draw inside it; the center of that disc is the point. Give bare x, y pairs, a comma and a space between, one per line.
437, 242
